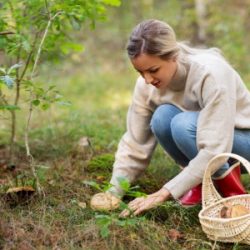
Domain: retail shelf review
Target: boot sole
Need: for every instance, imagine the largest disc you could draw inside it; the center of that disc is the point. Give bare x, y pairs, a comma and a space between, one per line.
189, 206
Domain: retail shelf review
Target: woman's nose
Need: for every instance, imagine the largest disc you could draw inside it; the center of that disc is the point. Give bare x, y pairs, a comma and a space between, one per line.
148, 78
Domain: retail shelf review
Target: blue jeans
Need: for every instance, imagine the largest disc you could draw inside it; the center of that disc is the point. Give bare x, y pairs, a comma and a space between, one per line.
175, 130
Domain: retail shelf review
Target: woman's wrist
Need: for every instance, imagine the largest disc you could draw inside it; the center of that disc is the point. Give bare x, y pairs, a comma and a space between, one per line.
164, 193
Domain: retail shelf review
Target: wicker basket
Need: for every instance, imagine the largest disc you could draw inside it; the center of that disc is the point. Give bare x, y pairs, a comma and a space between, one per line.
223, 229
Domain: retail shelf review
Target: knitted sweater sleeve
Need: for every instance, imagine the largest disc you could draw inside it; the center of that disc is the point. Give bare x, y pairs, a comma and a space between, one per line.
215, 130
137, 144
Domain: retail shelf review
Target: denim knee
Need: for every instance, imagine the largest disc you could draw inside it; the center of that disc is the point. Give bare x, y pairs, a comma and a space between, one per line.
160, 126
184, 124
161, 120
183, 128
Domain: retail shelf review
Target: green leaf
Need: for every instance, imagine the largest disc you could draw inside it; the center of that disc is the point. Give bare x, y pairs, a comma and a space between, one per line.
36, 102
75, 23
9, 107
3, 70
124, 183
136, 194
104, 231
121, 223
45, 106
103, 219
26, 46
69, 47
123, 205
65, 103
93, 184
51, 87
107, 186
39, 91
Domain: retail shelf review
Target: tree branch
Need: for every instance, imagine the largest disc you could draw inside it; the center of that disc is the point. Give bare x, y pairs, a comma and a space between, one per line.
3, 33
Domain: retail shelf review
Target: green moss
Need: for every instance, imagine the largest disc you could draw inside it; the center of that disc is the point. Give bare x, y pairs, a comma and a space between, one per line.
101, 163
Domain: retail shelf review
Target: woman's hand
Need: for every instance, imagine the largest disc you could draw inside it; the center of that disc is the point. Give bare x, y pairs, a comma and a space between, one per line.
141, 204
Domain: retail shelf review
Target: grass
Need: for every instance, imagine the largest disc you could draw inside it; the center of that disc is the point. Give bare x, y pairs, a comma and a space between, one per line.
59, 220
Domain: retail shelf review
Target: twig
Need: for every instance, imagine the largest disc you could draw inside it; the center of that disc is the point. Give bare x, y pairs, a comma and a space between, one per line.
42, 42
13, 112
214, 245
3, 33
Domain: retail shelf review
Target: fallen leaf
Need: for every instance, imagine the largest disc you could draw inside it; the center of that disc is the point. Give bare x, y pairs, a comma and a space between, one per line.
133, 236
84, 142
174, 234
84, 145
100, 178
3, 181
82, 204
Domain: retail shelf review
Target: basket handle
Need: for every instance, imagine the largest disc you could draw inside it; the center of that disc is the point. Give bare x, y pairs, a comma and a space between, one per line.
209, 193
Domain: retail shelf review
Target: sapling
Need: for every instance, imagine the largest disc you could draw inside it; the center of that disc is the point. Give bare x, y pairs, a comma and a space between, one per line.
30, 32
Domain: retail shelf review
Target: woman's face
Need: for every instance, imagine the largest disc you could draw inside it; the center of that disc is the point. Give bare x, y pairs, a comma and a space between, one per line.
155, 70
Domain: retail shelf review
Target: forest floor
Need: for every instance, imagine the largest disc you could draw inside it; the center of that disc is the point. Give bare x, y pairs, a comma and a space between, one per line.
61, 218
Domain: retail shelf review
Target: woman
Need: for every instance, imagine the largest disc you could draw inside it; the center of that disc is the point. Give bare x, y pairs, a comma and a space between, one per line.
190, 101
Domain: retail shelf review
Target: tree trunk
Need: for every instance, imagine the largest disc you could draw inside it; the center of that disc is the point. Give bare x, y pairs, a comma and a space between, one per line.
201, 13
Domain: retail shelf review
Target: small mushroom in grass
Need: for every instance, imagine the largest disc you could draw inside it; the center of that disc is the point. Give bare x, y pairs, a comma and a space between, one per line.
21, 189
175, 235
19, 194
232, 211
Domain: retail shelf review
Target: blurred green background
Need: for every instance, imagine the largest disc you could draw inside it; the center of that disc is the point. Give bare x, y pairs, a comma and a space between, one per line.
100, 80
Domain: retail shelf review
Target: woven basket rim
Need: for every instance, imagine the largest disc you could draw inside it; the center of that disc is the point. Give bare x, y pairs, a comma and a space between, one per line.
201, 216
224, 220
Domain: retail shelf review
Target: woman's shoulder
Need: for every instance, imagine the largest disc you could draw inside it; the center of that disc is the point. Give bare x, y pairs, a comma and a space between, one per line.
208, 58
211, 63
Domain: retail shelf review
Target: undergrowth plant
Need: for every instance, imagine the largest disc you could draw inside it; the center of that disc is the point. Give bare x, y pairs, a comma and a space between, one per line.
105, 220
34, 32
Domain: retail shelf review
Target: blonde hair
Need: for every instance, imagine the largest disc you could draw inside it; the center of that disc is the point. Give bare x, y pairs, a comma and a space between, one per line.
157, 38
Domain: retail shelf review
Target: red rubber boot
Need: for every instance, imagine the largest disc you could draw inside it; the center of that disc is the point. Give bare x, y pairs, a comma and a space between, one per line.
192, 197
229, 184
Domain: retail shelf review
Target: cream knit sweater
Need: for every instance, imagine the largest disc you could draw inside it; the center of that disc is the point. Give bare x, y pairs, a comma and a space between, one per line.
204, 82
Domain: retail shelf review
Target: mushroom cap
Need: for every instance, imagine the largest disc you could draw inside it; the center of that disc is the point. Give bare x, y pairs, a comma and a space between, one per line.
239, 210
104, 201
